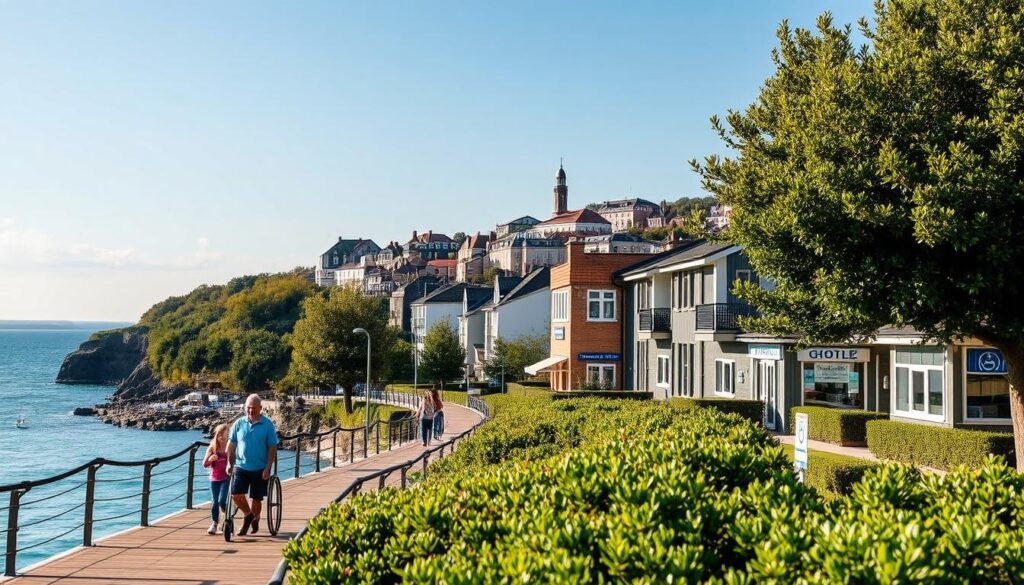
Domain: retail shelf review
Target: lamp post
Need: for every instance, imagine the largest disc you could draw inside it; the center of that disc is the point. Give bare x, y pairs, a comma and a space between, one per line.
366, 392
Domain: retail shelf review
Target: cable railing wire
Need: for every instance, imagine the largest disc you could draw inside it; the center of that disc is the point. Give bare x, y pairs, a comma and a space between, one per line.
55, 516
118, 517
170, 470
43, 499
118, 498
51, 539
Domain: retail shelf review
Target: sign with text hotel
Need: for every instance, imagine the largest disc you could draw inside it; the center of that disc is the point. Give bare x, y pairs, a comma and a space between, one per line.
835, 354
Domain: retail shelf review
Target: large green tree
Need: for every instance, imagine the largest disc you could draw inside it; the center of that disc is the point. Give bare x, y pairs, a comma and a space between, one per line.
884, 184
326, 352
442, 357
512, 356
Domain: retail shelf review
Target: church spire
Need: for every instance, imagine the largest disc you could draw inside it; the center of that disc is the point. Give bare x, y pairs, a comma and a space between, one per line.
561, 191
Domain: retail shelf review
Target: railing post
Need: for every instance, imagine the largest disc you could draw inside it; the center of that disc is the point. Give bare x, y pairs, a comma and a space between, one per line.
334, 451
382, 478
189, 488
376, 440
147, 474
90, 500
426, 459
391, 432
12, 534
404, 469
318, 454
357, 487
298, 453
351, 446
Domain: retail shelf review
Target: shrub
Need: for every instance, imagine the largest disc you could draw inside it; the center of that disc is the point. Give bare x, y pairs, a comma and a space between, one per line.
836, 425
833, 475
521, 389
940, 447
752, 410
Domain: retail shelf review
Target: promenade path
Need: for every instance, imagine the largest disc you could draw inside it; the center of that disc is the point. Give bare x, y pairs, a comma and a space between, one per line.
178, 551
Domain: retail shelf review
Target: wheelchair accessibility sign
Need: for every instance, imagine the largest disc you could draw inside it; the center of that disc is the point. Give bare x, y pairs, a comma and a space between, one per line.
800, 445
985, 361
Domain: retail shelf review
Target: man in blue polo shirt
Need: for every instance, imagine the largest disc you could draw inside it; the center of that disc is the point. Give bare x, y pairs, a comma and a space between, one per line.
252, 446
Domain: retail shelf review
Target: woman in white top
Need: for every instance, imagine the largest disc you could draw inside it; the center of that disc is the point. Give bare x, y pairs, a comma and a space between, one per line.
429, 406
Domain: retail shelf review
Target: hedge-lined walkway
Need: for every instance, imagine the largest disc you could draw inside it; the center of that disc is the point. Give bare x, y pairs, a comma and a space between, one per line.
178, 551
855, 452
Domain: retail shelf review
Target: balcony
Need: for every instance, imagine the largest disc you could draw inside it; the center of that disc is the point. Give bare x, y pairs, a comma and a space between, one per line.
655, 323
722, 317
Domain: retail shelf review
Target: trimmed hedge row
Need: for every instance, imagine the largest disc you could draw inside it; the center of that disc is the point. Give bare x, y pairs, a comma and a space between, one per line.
833, 475
613, 394
939, 447
836, 425
697, 497
752, 410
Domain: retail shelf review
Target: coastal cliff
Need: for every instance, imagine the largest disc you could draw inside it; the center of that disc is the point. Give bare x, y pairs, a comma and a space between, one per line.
118, 358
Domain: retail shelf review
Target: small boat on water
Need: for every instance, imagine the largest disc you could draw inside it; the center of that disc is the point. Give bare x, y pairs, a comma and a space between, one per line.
21, 423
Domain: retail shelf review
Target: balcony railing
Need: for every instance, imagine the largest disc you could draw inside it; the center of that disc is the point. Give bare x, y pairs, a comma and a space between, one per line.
655, 320
722, 316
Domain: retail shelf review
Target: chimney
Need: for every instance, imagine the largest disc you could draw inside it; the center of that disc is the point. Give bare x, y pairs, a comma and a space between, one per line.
340, 238
430, 234
414, 234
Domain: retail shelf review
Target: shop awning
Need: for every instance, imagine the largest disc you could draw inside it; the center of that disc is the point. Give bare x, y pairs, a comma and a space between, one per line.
544, 364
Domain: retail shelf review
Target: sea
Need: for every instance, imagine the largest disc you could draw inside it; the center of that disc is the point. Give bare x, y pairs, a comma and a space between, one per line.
51, 517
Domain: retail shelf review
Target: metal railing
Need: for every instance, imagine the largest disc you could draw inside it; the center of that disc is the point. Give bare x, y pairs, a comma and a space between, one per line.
381, 476
396, 432
655, 320
722, 316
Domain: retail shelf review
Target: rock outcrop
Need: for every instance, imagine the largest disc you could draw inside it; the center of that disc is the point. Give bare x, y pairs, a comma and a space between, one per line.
106, 359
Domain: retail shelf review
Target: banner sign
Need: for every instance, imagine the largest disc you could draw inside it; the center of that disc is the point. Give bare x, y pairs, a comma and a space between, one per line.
598, 357
985, 361
764, 352
800, 444
831, 373
835, 354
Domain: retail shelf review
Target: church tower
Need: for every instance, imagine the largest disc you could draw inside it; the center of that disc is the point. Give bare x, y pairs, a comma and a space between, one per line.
561, 192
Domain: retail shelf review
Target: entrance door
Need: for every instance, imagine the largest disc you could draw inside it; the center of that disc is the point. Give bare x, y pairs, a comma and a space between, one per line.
767, 386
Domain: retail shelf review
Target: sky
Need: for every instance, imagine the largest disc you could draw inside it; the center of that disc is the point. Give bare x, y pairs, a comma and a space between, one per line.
149, 147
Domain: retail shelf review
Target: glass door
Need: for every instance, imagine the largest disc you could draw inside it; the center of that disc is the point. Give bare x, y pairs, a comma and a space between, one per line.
767, 386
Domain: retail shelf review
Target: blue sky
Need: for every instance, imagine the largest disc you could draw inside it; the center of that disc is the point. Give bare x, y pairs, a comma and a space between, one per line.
148, 147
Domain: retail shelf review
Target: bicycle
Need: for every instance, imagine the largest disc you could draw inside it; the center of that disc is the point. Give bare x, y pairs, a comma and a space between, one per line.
272, 507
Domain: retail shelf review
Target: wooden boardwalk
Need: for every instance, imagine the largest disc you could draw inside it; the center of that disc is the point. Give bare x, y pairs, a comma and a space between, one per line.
178, 551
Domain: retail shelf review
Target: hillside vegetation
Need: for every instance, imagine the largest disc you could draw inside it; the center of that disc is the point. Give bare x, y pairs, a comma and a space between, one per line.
237, 331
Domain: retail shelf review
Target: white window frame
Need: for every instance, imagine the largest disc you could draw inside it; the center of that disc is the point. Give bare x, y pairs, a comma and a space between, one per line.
601, 371
602, 300
924, 369
664, 371
730, 366
560, 306
963, 386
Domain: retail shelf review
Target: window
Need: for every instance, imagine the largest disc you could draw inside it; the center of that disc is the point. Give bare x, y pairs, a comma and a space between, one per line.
560, 306
919, 382
725, 374
664, 371
600, 376
743, 275
643, 295
684, 286
600, 305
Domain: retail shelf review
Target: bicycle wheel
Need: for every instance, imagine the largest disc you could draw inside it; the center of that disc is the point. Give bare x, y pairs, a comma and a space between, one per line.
229, 514
274, 505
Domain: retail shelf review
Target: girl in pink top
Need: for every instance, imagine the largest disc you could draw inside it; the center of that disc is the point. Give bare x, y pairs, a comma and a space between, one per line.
216, 460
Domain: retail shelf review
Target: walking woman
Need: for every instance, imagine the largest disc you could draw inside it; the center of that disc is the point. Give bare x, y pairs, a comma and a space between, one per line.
216, 460
429, 406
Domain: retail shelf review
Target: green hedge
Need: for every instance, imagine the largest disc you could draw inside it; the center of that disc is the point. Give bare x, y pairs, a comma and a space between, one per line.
752, 410
836, 425
940, 447
616, 394
833, 475
661, 495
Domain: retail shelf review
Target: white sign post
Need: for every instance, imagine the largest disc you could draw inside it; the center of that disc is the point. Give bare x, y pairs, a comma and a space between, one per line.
800, 446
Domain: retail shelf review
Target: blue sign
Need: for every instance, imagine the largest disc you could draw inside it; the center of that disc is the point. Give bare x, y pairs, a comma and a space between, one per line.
598, 357
985, 361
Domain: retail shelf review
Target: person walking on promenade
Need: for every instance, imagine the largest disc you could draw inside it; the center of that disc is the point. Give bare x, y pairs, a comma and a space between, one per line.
428, 407
252, 447
216, 460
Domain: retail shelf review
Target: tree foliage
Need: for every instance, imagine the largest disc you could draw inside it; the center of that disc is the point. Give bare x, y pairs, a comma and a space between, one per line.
514, 355
487, 276
442, 357
884, 184
326, 352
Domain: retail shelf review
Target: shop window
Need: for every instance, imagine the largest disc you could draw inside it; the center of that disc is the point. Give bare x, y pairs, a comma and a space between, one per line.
664, 371
987, 391
600, 305
725, 376
833, 383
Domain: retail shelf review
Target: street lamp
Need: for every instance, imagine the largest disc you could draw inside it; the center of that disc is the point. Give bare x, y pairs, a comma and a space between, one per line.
366, 392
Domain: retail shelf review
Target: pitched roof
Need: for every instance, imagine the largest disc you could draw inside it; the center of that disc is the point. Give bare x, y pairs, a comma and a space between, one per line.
477, 241
476, 297
624, 204
429, 236
536, 280
577, 216
448, 263
451, 293
529, 220
690, 251
619, 237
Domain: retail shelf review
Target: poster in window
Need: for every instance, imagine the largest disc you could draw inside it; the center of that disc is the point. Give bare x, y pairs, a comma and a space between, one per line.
854, 383
831, 373
808, 379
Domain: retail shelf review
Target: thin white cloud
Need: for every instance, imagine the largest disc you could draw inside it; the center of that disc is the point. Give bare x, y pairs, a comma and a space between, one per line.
32, 248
